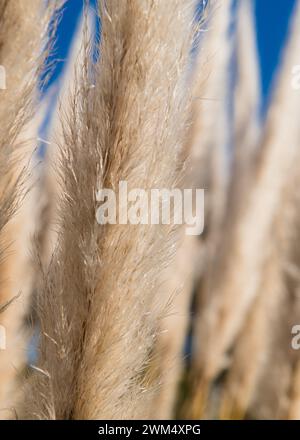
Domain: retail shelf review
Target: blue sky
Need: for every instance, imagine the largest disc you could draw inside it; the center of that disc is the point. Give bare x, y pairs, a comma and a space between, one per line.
272, 18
